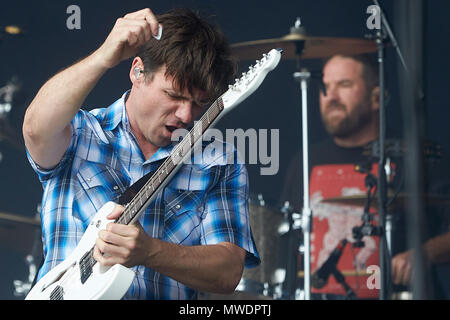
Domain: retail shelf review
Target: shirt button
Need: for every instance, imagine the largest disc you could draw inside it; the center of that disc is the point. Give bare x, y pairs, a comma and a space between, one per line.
115, 187
178, 206
88, 179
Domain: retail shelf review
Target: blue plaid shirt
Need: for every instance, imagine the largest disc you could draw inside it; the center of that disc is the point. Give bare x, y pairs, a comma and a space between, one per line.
203, 204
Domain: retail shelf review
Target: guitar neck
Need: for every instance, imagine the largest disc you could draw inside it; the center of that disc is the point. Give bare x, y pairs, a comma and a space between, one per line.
168, 168
236, 93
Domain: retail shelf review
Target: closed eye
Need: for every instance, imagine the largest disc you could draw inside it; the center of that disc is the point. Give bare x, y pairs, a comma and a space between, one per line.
345, 83
175, 96
197, 104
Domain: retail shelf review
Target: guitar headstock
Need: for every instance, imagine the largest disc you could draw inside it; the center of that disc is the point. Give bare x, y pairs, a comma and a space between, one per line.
250, 80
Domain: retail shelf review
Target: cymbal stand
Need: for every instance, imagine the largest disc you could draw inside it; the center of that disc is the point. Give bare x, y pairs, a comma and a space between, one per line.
306, 217
385, 262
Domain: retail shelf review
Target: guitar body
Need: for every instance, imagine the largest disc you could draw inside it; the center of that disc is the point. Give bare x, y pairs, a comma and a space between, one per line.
64, 281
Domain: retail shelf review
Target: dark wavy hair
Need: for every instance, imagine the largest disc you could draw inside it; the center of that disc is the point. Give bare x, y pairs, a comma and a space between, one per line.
194, 51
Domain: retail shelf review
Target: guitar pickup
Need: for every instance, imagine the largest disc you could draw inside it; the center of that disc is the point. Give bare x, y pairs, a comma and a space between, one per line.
86, 263
57, 293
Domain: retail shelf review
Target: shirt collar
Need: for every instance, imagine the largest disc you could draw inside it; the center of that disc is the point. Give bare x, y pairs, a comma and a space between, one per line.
116, 113
161, 153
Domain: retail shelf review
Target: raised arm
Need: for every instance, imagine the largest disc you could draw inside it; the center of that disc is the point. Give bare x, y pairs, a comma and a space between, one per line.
46, 127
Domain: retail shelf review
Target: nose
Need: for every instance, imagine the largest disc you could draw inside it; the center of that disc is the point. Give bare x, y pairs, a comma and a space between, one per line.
331, 97
184, 112
331, 93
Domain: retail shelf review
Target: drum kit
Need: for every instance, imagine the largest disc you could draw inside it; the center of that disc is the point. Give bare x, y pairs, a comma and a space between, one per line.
20, 235
275, 279
21, 247
278, 276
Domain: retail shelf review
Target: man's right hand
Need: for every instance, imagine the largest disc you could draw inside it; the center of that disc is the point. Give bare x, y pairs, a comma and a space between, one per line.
61, 97
127, 35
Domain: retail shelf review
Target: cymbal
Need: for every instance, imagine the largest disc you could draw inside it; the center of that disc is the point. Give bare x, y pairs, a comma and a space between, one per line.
17, 219
400, 200
18, 232
313, 47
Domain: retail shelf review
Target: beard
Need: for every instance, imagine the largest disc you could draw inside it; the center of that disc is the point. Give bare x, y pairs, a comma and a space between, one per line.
349, 125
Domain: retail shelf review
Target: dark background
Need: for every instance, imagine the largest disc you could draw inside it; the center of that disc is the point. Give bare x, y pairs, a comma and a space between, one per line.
48, 46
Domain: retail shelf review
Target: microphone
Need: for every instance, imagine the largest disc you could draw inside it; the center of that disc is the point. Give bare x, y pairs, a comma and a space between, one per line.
320, 278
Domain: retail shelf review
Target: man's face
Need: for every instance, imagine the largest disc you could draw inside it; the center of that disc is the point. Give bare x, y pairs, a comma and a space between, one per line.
347, 106
159, 109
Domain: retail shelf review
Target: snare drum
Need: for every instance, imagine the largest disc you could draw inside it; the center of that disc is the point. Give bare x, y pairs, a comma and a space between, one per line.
261, 282
265, 221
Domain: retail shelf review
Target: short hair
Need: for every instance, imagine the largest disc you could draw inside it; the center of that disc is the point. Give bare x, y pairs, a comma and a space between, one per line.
369, 63
194, 51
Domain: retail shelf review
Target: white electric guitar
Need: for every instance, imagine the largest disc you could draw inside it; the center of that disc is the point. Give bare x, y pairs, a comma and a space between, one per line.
80, 277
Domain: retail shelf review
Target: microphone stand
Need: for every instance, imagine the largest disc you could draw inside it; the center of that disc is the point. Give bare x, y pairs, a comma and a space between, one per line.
366, 229
380, 37
341, 280
329, 267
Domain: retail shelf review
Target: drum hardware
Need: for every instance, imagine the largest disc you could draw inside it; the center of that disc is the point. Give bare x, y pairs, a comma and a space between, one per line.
398, 201
21, 288
345, 273
288, 276
320, 278
16, 233
299, 45
267, 223
367, 228
395, 148
7, 94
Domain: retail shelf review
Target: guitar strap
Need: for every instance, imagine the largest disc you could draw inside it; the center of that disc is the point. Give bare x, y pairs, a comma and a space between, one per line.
132, 190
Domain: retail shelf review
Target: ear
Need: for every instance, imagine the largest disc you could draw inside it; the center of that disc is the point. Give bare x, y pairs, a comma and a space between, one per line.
136, 78
375, 98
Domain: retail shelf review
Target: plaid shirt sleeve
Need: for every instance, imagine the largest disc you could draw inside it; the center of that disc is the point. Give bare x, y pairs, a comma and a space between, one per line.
227, 217
46, 174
